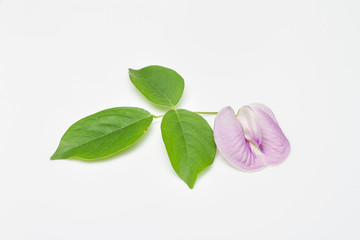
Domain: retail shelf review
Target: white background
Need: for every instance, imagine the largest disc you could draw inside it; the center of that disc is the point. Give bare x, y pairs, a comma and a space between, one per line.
63, 60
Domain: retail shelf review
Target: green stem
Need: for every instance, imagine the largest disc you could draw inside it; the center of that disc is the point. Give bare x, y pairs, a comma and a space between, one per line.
203, 113
206, 112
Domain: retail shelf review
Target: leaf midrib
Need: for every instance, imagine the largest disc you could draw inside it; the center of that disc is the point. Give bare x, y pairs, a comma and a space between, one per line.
182, 133
166, 97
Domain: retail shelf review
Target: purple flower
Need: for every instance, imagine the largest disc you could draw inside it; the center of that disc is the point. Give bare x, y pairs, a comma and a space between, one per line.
252, 139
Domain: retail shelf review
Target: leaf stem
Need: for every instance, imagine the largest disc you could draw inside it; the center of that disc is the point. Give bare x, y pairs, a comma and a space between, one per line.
206, 112
203, 113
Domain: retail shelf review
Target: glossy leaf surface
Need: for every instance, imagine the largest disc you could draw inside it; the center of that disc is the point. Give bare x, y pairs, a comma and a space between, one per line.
189, 142
103, 134
160, 85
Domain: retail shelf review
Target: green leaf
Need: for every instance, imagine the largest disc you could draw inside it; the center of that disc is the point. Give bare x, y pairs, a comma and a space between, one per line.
103, 134
159, 85
189, 142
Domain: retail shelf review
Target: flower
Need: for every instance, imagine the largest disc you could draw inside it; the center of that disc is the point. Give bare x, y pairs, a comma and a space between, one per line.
252, 139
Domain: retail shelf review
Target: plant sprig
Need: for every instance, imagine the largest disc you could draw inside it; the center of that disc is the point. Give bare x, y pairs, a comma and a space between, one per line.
188, 138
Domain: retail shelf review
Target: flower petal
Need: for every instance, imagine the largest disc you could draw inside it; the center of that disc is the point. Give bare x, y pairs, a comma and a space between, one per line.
250, 125
274, 145
230, 140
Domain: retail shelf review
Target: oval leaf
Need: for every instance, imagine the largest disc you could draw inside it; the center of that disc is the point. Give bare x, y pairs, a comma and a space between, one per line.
103, 134
159, 85
189, 142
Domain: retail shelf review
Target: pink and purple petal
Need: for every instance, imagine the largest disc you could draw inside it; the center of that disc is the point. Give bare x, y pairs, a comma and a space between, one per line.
231, 142
274, 145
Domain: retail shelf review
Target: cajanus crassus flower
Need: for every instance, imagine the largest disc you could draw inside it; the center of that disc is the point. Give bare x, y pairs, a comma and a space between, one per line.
251, 139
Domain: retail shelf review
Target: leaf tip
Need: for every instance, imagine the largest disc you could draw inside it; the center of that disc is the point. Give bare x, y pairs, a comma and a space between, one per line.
131, 71
56, 156
190, 182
